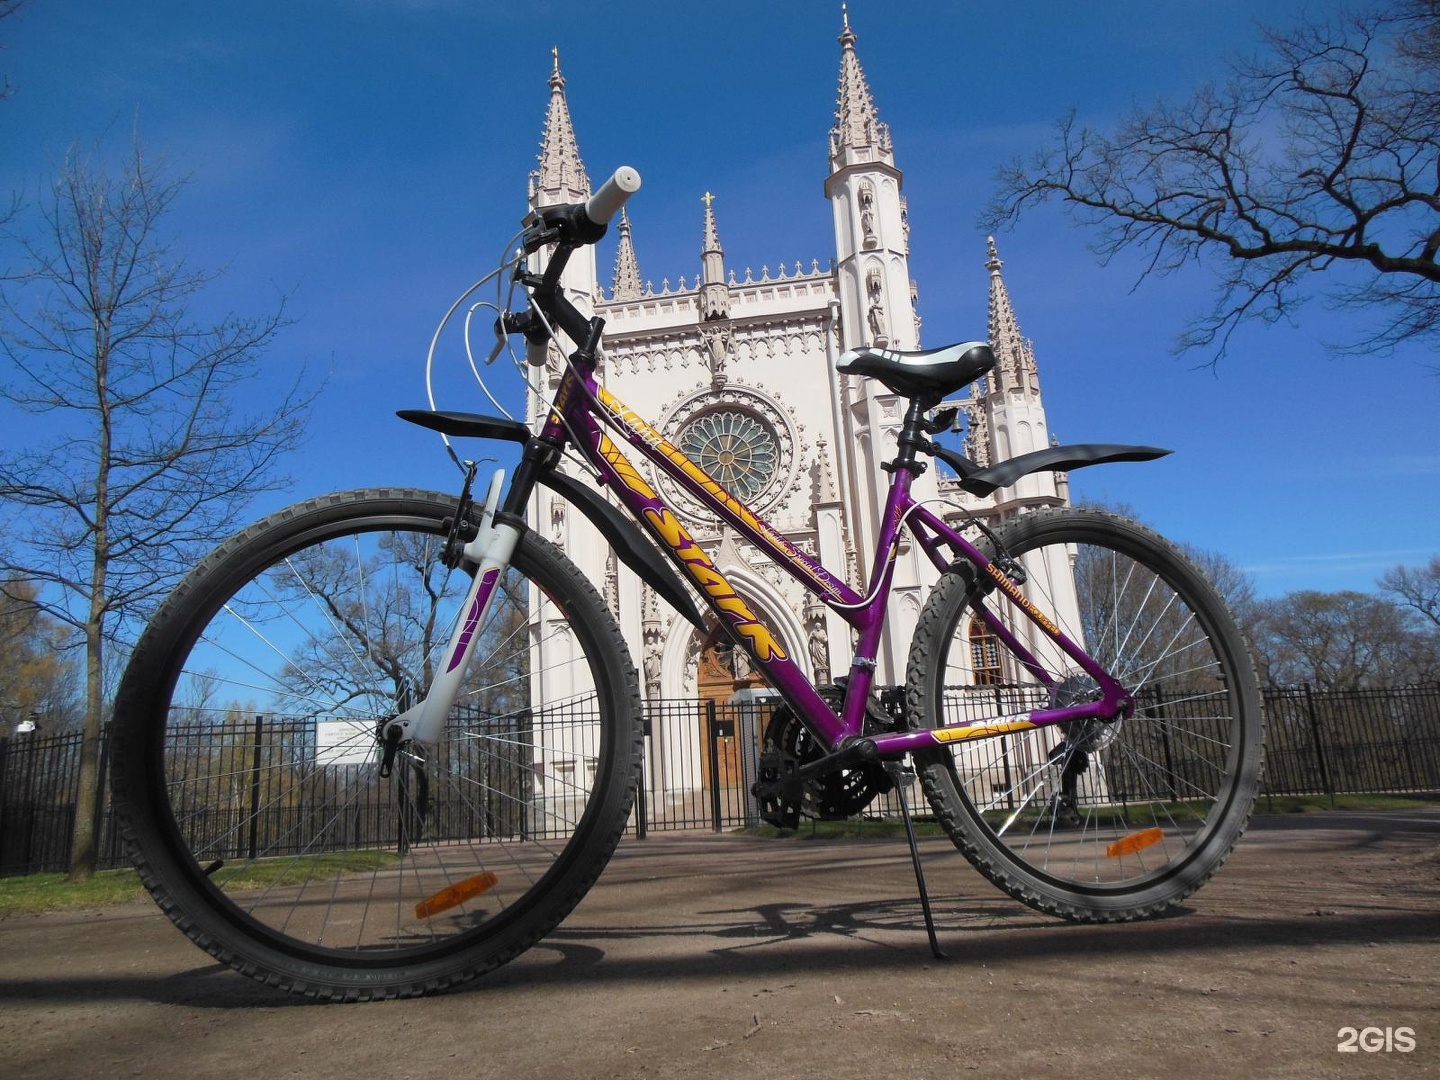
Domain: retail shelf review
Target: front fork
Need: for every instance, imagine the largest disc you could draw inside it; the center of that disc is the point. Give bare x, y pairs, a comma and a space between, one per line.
489, 551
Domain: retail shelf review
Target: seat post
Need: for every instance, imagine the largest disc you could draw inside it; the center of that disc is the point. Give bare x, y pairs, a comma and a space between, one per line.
912, 438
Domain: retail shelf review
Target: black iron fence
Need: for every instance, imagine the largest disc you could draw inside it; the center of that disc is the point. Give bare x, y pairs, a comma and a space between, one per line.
700, 761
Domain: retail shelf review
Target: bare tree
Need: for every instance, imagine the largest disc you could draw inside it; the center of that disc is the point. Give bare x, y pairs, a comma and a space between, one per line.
8, 8
387, 621
1416, 587
152, 457
1321, 156
1343, 641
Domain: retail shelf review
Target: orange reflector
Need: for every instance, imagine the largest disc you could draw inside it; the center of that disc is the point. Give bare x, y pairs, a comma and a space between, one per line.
455, 894
1136, 841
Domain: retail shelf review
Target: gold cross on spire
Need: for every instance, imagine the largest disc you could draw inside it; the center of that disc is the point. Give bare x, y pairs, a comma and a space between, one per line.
707, 199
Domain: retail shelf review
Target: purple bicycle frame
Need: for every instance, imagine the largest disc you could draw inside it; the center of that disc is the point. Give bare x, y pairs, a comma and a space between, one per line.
579, 400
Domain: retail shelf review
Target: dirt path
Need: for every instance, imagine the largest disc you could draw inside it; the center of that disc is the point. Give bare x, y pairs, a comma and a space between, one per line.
703, 956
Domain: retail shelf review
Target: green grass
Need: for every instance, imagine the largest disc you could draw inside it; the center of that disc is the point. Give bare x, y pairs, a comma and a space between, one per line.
295, 869
39, 894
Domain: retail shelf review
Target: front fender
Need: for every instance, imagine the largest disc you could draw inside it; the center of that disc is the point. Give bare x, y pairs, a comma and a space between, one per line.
624, 536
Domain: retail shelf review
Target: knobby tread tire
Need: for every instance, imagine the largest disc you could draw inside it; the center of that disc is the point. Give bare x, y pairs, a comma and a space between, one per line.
169, 872
947, 604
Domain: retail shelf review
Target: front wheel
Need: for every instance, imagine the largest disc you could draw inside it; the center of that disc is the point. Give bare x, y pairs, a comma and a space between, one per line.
247, 757
1095, 820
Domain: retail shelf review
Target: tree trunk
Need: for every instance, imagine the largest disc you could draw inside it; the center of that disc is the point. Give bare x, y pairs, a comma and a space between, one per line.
84, 843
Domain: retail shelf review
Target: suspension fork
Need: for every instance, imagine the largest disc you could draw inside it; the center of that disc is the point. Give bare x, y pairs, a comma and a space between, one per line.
489, 551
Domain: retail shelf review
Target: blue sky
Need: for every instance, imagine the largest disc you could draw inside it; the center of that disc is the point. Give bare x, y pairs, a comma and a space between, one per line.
369, 157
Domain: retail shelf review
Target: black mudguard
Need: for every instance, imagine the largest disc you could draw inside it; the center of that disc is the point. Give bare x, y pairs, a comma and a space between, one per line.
982, 482
630, 544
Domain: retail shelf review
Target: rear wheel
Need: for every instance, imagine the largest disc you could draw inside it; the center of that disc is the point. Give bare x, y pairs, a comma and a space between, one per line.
1093, 821
247, 774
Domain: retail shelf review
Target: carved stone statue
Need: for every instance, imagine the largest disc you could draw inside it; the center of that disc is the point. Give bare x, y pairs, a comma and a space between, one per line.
867, 216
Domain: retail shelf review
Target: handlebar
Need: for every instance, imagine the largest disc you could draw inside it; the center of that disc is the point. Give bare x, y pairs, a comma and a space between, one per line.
606, 202
577, 224
569, 227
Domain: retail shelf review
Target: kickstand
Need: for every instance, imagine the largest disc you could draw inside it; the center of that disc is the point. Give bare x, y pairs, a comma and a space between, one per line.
901, 774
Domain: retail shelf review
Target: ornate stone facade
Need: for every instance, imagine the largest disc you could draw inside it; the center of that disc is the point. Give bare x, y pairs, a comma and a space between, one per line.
738, 369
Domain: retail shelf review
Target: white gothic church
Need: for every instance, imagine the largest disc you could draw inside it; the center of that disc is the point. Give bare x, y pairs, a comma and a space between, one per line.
735, 355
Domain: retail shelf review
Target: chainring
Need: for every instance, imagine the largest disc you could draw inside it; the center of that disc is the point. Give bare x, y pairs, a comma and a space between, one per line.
838, 794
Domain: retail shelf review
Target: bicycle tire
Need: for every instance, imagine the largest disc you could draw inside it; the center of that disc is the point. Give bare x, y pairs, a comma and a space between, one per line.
274, 843
1099, 822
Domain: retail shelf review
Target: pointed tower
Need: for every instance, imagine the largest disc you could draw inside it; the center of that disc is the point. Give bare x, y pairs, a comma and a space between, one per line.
872, 284
560, 177
870, 222
1014, 356
559, 180
714, 293
858, 135
626, 283
1012, 404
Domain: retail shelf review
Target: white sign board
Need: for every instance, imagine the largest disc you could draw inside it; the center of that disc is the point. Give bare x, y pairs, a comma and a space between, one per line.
344, 742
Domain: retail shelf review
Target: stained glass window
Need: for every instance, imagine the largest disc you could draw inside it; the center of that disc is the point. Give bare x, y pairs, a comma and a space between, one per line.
735, 448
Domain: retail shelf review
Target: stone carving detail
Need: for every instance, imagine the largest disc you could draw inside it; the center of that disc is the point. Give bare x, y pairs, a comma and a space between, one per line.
977, 435
612, 583
875, 306
867, 216
718, 345
653, 645
558, 511
817, 641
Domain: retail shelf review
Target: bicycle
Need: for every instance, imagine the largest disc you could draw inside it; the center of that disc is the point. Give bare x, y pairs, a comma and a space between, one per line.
415, 803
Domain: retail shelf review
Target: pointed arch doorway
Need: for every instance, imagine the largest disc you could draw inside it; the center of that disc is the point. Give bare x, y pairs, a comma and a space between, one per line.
721, 670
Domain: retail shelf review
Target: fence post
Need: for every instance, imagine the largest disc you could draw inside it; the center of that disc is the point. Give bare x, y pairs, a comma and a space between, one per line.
1005, 754
255, 788
1325, 784
5, 828
642, 829
715, 814
1165, 744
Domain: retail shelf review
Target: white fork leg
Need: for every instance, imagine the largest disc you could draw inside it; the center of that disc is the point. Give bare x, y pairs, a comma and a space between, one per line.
490, 551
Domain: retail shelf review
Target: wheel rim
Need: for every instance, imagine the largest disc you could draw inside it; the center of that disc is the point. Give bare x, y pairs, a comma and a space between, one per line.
1107, 808
275, 811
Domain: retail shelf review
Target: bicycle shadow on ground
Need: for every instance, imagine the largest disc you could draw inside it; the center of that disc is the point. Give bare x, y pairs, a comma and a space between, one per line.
788, 939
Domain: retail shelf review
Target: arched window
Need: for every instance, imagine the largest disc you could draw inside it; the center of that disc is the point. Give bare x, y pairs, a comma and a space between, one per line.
984, 654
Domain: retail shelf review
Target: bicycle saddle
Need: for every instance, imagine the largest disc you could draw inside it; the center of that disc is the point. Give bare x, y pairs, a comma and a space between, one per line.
931, 373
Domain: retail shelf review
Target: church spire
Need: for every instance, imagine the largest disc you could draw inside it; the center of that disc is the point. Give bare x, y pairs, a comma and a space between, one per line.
626, 285
714, 293
561, 176
858, 134
1014, 355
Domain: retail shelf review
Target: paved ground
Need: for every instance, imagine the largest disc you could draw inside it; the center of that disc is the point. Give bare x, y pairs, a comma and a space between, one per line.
703, 956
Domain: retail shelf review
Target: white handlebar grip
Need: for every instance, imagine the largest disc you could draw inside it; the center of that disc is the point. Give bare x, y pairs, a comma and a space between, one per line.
536, 352
604, 204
